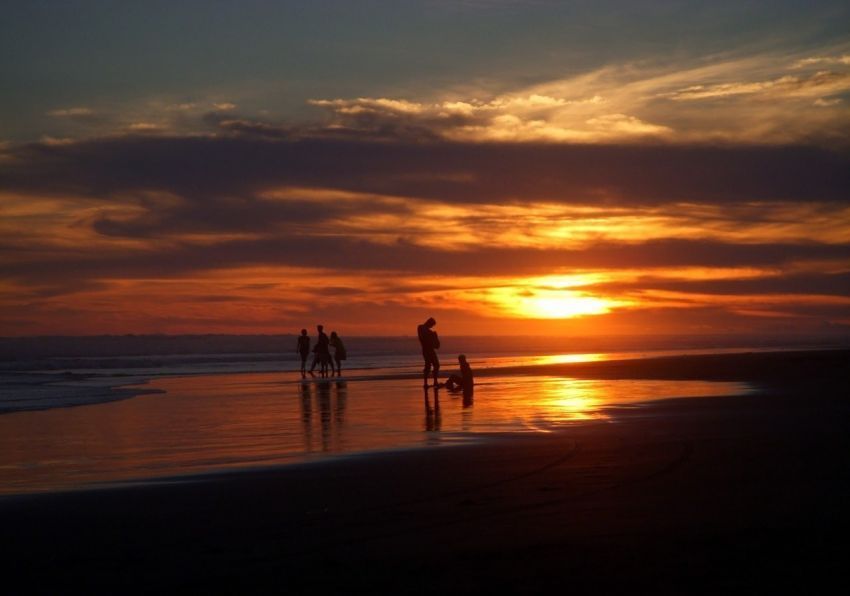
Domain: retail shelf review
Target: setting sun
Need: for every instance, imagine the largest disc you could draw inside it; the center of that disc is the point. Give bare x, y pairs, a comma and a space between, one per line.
562, 305
546, 297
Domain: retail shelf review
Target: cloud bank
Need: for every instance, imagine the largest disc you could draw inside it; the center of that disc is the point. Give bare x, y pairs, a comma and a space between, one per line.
711, 198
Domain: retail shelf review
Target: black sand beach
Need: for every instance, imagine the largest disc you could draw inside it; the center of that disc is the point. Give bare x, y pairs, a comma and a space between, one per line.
741, 494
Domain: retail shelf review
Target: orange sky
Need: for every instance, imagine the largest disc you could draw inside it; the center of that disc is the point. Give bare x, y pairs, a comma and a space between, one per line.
377, 264
647, 188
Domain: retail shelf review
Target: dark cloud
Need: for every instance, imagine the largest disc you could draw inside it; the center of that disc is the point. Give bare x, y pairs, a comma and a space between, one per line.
700, 320
362, 127
396, 125
261, 286
340, 291
212, 298
817, 311
347, 254
231, 214
816, 283
242, 165
251, 128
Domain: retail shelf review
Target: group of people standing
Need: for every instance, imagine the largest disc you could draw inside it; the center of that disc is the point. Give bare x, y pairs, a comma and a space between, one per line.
321, 353
428, 339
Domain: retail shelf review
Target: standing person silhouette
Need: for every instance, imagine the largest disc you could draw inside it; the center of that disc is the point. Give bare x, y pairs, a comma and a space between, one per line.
303, 349
339, 353
321, 353
430, 343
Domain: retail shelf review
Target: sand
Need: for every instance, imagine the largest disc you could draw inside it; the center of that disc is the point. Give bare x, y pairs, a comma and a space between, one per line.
700, 495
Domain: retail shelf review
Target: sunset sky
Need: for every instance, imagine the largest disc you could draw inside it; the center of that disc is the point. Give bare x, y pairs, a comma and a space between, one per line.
508, 167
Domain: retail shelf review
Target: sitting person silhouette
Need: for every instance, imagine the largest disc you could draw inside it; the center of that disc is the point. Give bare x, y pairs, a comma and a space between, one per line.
463, 381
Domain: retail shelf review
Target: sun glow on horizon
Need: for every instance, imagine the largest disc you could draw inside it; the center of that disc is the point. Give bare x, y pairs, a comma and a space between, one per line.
562, 305
553, 297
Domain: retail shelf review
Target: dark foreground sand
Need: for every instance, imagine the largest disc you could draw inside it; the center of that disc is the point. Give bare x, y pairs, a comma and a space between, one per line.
748, 494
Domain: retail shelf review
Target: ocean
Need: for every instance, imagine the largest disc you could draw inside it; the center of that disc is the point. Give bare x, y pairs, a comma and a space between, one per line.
48, 372
95, 411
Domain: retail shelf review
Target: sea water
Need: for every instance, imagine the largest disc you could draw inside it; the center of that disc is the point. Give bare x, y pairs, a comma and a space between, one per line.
47, 372
150, 416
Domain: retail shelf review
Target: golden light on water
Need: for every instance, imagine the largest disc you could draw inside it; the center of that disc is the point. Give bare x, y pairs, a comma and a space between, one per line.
570, 400
551, 400
569, 358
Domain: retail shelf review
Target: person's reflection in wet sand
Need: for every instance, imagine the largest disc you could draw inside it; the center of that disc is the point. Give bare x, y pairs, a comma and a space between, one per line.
307, 416
339, 406
468, 397
323, 392
466, 413
432, 415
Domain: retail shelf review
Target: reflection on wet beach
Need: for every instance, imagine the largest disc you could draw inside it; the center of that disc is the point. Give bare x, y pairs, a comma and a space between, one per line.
565, 359
323, 401
215, 422
432, 410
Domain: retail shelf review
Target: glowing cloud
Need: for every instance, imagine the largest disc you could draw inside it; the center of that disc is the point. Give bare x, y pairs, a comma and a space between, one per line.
627, 103
71, 112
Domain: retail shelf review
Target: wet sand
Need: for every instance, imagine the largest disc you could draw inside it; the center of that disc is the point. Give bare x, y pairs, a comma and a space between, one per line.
702, 495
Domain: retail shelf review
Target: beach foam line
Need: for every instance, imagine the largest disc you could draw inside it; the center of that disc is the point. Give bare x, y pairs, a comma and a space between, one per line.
30, 392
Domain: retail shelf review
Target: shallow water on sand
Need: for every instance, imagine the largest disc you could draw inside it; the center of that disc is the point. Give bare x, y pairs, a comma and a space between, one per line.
215, 422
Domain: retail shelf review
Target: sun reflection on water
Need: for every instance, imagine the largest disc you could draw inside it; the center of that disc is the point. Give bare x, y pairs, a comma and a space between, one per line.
568, 358
542, 403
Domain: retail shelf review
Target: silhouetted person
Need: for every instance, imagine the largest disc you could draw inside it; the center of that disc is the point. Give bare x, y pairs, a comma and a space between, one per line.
339, 352
465, 381
303, 349
321, 354
430, 343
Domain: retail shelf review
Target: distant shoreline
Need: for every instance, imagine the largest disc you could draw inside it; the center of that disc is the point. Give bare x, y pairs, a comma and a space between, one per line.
21, 347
